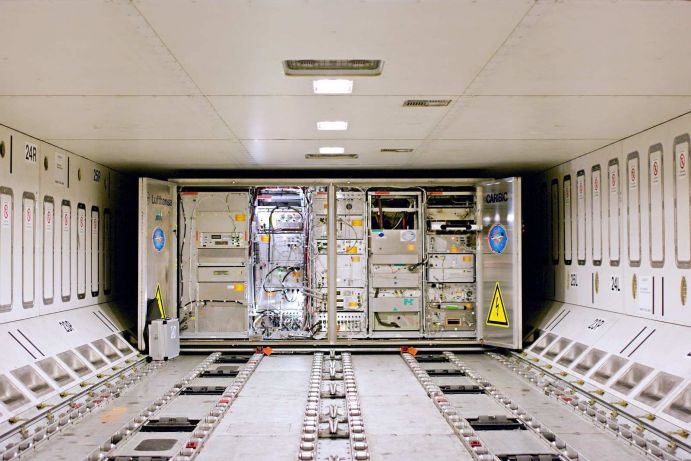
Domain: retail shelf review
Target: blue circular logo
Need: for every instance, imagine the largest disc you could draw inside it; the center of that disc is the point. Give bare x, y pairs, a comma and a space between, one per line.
159, 239
497, 238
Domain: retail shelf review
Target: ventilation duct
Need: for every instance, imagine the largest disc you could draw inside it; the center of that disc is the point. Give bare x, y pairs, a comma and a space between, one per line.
355, 67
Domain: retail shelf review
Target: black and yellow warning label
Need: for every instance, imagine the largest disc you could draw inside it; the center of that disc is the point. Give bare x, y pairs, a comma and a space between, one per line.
496, 316
159, 301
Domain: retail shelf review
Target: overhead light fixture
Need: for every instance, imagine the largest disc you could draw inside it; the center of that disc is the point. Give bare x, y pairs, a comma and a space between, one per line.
360, 67
331, 156
331, 150
399, 150
332, 125
332, 86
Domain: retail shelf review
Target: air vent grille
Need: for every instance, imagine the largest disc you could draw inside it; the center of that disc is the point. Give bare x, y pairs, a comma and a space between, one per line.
360, 67
331, 156
426, 102
400, 151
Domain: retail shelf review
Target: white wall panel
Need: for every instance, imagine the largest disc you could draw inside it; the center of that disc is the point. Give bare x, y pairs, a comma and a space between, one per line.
19, 174
7, 266
656, 222
48, 267
682, 194
644, 227
596, 212
46, 258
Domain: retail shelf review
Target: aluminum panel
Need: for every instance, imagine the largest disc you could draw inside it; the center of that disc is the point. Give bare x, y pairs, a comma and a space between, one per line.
157, 259
501, 262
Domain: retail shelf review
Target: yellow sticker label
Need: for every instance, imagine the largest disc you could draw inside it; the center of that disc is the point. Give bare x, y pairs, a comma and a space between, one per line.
239, 287
159, 301
265, 238
355, 259
353, 304
352, 250
410, 247
240, 217
453, 249
467, 258
496, 316
356, 222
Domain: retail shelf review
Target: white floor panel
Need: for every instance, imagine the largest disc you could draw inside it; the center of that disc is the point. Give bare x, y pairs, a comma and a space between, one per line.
79, 440
401, 422
265, 421
591, 442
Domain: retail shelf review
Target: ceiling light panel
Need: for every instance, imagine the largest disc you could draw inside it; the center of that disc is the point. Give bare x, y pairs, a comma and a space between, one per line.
331, 150
332, 125
332, 86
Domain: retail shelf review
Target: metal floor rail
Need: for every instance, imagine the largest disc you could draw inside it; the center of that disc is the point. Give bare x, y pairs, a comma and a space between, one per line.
328, 406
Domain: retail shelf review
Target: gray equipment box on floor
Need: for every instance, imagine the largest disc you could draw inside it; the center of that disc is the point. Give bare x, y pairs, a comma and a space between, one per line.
164, 339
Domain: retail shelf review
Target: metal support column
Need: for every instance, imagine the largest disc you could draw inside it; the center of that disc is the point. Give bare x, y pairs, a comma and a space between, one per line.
332, 266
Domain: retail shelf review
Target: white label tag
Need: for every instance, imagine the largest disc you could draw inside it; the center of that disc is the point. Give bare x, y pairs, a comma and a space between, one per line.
682, 163
5, 210
60, 169
49, 217
655, 168
30, 152
645, 294
65, 219
82, 223
633, 174
29, 214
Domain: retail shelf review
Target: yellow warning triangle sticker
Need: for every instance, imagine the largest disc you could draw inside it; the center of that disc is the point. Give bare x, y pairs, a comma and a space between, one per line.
159, 301
496, 317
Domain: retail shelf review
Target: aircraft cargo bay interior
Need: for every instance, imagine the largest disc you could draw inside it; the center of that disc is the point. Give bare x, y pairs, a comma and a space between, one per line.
345, 230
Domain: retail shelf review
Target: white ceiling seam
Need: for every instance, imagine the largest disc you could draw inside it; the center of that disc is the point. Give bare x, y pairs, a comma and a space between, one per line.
177, 61
591, 47
90, 48
452, 107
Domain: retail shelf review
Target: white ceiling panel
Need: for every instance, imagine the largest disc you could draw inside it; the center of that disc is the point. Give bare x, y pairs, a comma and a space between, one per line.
428, 47
505, 155
557, 117
595, 47
84, 47
189, 84
291, 153
114, 117
295, 117
159, 155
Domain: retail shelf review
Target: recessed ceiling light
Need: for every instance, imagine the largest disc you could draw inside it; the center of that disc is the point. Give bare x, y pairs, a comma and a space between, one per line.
331, 156
332, 125
332, 86
397, 150
331, 150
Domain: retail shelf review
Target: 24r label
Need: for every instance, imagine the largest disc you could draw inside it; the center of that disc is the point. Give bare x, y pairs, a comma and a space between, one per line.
30, 152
